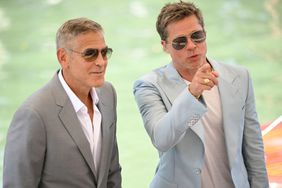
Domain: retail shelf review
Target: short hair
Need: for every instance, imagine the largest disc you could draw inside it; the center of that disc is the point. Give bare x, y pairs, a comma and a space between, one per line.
74, 27
173, 12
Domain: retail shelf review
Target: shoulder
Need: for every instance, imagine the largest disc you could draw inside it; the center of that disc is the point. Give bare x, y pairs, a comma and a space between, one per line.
43, 98
234, 67
107, 86
107, 93
106, 89
230, 69
152, 77
39, 98
31, 114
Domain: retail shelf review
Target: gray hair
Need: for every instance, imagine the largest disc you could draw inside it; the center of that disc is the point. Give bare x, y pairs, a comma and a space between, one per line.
74, 27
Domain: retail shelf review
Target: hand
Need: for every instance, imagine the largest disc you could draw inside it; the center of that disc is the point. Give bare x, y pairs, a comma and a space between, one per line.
204, 79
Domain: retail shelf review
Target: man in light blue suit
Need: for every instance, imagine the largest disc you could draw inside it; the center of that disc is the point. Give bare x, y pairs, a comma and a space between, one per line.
200, 114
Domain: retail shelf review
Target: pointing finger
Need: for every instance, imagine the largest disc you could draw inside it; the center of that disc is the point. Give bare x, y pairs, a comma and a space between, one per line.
206, 68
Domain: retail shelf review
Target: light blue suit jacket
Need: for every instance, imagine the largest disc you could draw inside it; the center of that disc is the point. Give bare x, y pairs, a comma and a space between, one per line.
171, 117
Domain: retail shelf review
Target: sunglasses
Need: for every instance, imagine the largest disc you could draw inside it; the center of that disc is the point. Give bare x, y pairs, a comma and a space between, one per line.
91, 54
196, 37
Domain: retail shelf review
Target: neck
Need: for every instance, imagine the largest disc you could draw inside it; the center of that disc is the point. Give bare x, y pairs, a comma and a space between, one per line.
85, 97
87, 100
82, 92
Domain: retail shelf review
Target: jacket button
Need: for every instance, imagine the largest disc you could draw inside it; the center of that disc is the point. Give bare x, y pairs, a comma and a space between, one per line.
197, 171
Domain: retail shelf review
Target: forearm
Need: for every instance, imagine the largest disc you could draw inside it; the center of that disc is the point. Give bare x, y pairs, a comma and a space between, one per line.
167, 125
172, 126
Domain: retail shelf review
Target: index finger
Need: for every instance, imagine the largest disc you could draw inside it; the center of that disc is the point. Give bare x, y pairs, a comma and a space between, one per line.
205, 68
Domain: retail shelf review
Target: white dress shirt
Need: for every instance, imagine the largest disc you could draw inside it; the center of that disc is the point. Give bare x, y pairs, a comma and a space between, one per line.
92, 130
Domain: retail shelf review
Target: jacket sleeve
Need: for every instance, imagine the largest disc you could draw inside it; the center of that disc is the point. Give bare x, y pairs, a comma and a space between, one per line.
114, 176
24, 152
166, 126
253, 150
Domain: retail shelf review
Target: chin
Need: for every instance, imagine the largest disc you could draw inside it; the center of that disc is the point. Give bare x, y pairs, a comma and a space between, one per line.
98, 83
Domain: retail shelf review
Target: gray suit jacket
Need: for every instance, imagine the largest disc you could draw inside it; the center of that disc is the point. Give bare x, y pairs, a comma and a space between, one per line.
46, 146
170, 115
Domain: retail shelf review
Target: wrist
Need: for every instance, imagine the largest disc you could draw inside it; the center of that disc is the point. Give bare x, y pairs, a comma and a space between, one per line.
196, 96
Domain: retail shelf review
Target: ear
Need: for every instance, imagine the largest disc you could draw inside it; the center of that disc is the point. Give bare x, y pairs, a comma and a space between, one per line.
62, 57
164, 44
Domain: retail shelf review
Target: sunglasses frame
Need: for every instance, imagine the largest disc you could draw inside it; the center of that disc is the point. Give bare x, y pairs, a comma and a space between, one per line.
181, 45
105, 52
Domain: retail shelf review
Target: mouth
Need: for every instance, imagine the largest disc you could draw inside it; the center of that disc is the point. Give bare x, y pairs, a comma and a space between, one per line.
97, 73
193, 56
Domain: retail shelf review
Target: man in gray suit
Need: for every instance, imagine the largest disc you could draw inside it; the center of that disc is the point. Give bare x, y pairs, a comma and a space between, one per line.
64, 135
199, 114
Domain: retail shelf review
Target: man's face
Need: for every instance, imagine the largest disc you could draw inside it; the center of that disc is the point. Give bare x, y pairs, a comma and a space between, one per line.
193, 55
81, 72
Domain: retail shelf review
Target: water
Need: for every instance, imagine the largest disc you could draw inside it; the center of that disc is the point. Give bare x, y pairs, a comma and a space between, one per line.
243, 32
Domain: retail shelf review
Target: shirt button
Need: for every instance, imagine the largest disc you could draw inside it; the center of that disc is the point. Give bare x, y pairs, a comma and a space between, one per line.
197, 171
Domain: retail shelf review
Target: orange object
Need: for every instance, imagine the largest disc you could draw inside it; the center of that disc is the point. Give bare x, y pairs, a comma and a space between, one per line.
272, 138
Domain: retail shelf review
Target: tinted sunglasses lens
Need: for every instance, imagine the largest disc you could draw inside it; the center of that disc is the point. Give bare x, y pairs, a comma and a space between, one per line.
90, 54
198, 36
106, 53
179, 43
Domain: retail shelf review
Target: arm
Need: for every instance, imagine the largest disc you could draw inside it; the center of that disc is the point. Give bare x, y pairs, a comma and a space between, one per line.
165, 125
114, 176
253, 150
24, 152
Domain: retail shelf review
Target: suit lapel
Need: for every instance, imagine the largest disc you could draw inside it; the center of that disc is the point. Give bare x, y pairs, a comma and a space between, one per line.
71, 123
229, 89
171, 83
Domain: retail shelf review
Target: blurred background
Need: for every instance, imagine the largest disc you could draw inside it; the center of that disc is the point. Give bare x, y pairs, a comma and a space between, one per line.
243, 32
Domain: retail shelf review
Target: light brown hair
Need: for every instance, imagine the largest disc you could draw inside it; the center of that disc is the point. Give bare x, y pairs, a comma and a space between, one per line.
173, 12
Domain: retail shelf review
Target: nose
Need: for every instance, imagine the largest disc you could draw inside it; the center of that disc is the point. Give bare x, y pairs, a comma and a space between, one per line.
190, 44
100, 61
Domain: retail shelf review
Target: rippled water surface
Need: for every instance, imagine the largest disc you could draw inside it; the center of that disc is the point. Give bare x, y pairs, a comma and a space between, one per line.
244, 32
